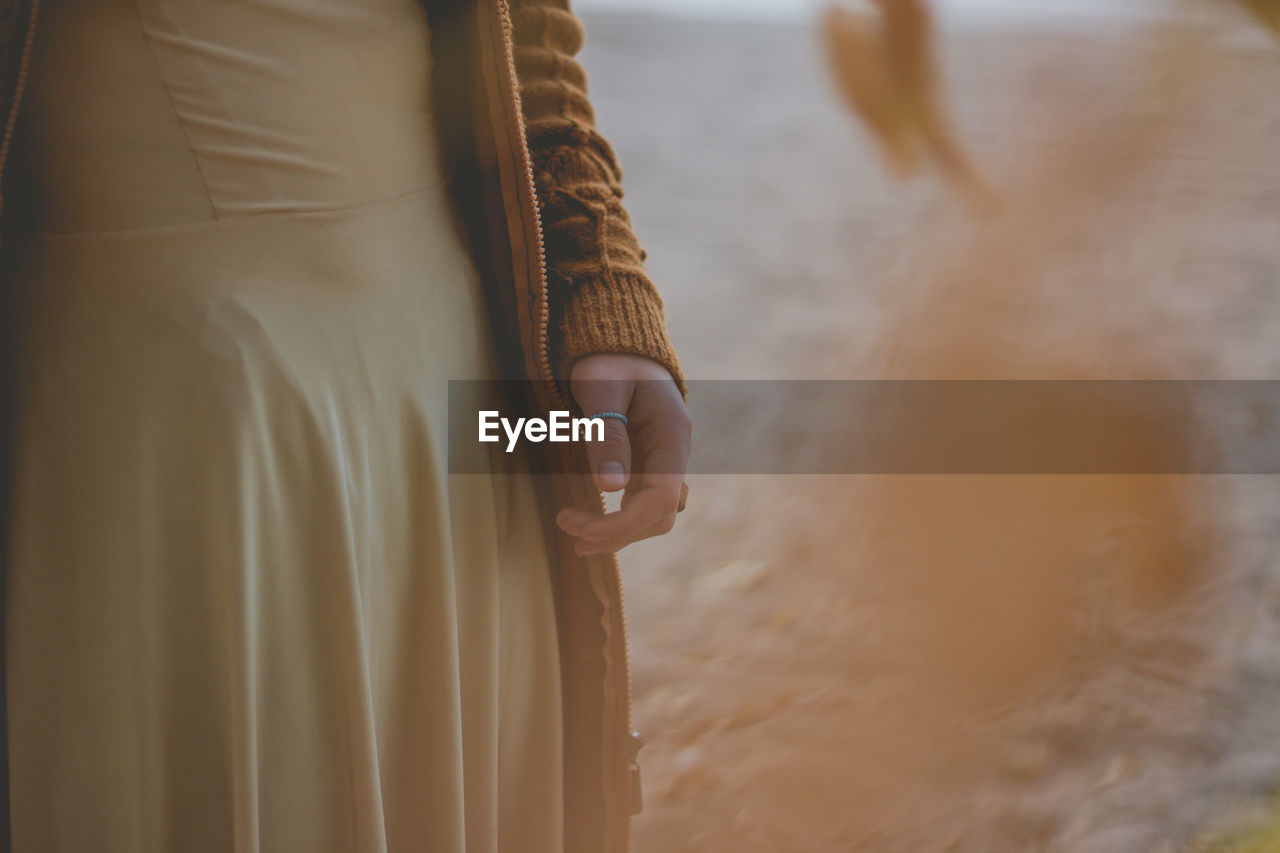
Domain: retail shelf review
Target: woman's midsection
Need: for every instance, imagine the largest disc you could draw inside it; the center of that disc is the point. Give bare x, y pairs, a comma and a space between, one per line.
144, 113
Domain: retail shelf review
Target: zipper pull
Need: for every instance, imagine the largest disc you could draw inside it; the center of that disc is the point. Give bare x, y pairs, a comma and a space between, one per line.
637, 797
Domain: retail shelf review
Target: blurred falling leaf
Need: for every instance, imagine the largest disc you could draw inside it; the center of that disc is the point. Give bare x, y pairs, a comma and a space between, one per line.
885, 66
1267, 11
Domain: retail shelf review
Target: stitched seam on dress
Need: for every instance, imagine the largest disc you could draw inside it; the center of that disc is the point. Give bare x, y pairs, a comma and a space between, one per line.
155, 61
229, 222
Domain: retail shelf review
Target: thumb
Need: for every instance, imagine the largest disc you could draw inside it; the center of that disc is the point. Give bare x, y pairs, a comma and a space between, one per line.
610, 458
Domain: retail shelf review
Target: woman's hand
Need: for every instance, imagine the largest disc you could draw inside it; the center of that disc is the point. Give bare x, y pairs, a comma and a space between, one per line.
648, 456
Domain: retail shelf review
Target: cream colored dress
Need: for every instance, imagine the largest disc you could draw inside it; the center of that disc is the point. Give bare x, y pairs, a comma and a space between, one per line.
248, 608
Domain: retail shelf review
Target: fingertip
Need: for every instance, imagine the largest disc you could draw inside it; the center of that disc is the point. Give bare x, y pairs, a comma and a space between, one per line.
572, 522
611, 476
611, 482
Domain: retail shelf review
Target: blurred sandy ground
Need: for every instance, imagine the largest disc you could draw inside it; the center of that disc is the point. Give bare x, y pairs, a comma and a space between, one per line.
968, 664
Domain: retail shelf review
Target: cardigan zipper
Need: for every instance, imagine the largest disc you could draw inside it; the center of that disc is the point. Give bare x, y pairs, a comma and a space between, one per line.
19, 89
541, 347
543, 366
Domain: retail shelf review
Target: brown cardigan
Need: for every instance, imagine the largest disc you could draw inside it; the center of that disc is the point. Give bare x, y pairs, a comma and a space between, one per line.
539, 189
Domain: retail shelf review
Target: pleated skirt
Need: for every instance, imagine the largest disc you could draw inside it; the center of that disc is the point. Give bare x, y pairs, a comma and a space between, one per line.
248, 607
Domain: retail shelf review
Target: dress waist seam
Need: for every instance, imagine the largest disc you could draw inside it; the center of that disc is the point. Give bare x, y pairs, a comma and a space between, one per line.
283, 214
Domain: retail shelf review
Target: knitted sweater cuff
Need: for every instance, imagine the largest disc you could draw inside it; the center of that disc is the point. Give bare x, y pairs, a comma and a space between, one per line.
617, 311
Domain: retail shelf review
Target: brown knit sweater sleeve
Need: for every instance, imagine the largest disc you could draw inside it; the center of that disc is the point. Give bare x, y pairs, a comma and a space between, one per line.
600, 298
